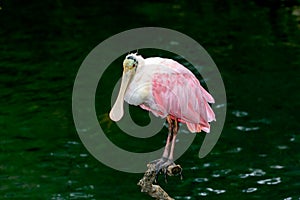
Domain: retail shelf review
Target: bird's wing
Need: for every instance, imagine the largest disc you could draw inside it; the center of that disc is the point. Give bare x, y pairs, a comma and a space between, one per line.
177, 92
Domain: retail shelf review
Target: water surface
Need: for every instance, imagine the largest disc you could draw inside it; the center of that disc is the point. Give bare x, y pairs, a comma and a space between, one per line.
255, 46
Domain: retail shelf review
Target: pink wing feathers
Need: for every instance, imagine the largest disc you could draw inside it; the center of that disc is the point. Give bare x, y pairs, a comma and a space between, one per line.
178, 93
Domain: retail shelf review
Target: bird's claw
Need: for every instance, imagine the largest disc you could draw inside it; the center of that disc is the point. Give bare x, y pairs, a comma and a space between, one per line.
161, 166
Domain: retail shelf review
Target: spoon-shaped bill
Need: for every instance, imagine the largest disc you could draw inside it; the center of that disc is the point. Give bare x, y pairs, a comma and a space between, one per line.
117, 110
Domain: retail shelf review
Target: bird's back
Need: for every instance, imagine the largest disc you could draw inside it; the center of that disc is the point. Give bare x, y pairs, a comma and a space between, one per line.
171, 89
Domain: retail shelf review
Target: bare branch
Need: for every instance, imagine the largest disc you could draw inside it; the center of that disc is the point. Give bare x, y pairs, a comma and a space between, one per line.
156, 191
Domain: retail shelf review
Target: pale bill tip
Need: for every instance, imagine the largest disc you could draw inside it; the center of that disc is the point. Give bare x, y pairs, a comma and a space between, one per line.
116, 114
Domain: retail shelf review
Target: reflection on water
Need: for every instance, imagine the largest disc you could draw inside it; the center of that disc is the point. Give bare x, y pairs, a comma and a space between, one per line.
243, 128
238, 113
254, 172
249, 190
270, 181
235, 150
276, 166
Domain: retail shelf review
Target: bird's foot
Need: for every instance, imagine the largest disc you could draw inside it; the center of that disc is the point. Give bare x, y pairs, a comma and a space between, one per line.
159, 162
167, 167
164, 168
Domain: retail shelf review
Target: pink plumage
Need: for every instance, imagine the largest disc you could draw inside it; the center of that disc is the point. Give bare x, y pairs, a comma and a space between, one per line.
166, 88
177, 92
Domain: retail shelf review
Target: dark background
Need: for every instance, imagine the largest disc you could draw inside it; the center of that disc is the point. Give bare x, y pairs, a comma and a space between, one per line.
255, 44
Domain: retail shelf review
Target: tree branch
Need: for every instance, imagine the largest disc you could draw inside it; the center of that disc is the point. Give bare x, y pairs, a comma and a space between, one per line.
156, 191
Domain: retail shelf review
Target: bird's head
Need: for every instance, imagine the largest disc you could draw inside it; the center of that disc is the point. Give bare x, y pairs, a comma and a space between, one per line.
130, 65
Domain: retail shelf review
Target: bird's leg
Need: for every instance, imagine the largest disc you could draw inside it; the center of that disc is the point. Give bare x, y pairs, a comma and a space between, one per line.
175, 131
169, 139
173, 141
166, 163
164, 158
170, 161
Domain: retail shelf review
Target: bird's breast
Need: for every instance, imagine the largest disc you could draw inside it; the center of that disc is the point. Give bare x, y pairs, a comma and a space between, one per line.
137, 94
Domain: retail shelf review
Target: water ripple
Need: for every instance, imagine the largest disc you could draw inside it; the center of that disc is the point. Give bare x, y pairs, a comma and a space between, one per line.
282, 147
57, 197
220, 105
235, 150
222, 172
270, 181
262, 155
206, 165
201, 180
262, 121
255, 172
73, 142
83, 155
194, 168
276, 167
203, 194
292, 139
249, 190
183, 197
288, 198
62, 155
246, 129
85, 188
216, 191
80, 195
292, 198
238, 113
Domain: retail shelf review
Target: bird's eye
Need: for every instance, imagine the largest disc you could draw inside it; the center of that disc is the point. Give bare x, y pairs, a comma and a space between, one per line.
130, 57
135, 62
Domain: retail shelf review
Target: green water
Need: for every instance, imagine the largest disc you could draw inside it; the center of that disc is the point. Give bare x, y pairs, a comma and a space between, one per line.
255, 45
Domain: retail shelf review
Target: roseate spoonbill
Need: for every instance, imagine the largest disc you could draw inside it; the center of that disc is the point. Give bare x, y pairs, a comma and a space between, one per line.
168, 90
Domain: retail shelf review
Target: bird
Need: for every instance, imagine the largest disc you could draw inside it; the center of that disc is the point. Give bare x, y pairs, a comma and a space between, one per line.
169, 90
